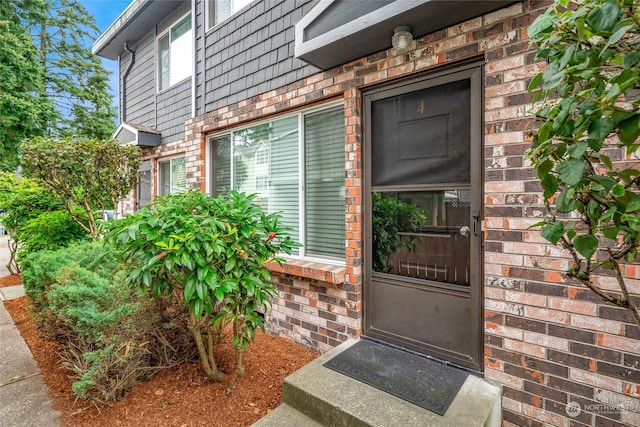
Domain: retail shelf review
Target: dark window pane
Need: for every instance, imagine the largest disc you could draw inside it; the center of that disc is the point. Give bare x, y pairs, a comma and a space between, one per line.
417, 234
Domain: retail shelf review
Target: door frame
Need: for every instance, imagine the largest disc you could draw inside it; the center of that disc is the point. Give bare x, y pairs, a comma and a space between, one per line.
474, 71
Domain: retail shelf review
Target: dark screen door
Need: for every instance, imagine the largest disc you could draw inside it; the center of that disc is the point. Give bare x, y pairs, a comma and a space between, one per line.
423, 199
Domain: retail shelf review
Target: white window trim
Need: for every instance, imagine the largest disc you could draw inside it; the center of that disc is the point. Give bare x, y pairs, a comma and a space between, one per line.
158, 59
209, 27
165, 160
301, 171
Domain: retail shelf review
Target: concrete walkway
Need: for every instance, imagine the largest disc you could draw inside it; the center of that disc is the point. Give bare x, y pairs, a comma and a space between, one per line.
23, 396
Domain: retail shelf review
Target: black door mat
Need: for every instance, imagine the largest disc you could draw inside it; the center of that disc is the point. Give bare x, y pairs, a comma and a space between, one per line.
423, 382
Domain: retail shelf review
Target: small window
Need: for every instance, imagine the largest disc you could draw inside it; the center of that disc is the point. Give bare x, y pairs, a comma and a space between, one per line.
219, 10
173, 176
262, 156
175, 53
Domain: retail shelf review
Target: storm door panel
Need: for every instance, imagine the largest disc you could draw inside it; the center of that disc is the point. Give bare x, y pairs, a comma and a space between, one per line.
423, 271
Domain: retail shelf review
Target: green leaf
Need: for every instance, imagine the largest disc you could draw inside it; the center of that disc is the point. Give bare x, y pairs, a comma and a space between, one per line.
231, 263
541, 24
633, 205
600, 129
553, 231
586, 245
535, 82
606, 160
610, 232
631, 59
550, 185
618, 190
605, 17
594, 211
616, 36
146, 278
631, 256
544, 168
200, 289
629, 129
189, 287
571, 171
565, 202
576, 150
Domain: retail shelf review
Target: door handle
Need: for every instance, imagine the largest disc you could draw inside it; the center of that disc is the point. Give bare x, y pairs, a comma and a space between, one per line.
464, 231
476, 222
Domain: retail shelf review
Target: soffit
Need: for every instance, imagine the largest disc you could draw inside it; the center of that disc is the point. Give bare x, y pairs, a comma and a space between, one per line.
335, 32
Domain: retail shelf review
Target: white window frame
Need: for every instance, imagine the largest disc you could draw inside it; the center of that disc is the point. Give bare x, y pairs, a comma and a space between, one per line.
169, 160
211, 25
167, 33
301, 172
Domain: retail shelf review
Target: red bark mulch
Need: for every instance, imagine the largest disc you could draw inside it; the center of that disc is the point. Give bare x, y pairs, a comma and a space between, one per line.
181, 396
10, 280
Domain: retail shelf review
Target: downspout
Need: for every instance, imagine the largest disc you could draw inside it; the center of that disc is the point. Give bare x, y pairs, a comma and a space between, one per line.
123, 113
194, 59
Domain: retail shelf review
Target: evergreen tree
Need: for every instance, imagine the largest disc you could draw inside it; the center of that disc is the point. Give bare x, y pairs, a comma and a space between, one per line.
24, 112
74, 79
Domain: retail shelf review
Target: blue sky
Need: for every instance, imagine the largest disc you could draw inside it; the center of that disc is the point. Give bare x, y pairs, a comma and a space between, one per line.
105, 12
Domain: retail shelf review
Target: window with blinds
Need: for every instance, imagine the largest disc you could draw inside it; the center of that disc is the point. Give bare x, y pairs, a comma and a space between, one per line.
173, 176
324, 170
296, 166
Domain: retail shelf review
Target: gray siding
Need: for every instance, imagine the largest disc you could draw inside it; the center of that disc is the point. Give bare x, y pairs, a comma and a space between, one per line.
140, 83
251, 53
166, 111
174, 108
173, 104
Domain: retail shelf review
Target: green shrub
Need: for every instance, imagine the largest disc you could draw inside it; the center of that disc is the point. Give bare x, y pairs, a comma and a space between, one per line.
393, 220
41, 270
114, 335
49, 230
211, 254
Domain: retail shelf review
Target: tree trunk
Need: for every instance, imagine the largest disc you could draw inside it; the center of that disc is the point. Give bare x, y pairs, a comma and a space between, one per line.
239, 372
210, 369
13, 266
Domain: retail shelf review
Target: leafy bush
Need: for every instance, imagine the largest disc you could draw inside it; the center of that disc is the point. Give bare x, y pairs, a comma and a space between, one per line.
34, 217
211, 254
392, 220
94, 176
49, 230
588, 120
114, 336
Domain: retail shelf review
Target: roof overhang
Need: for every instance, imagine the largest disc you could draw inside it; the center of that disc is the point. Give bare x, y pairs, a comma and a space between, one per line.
335, 32
141, 136
137, 19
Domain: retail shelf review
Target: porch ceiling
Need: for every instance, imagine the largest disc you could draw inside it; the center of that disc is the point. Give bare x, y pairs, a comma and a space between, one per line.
338, 31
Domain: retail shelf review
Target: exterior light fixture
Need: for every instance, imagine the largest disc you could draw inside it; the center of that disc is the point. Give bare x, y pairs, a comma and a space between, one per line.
401, 40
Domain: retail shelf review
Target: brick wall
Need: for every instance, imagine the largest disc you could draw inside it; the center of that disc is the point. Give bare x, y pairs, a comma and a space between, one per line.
547, 341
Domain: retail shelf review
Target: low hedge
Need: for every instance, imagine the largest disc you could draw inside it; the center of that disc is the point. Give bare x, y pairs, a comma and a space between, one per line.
114, 336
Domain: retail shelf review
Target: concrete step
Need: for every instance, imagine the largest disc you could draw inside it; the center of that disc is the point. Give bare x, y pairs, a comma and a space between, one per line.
286, 416
333, 399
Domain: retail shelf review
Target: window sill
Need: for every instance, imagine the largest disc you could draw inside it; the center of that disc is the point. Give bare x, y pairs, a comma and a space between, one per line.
323, 272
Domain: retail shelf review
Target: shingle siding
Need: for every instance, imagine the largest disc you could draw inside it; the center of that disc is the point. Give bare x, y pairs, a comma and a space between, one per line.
250, 53
165, 111
140, 84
